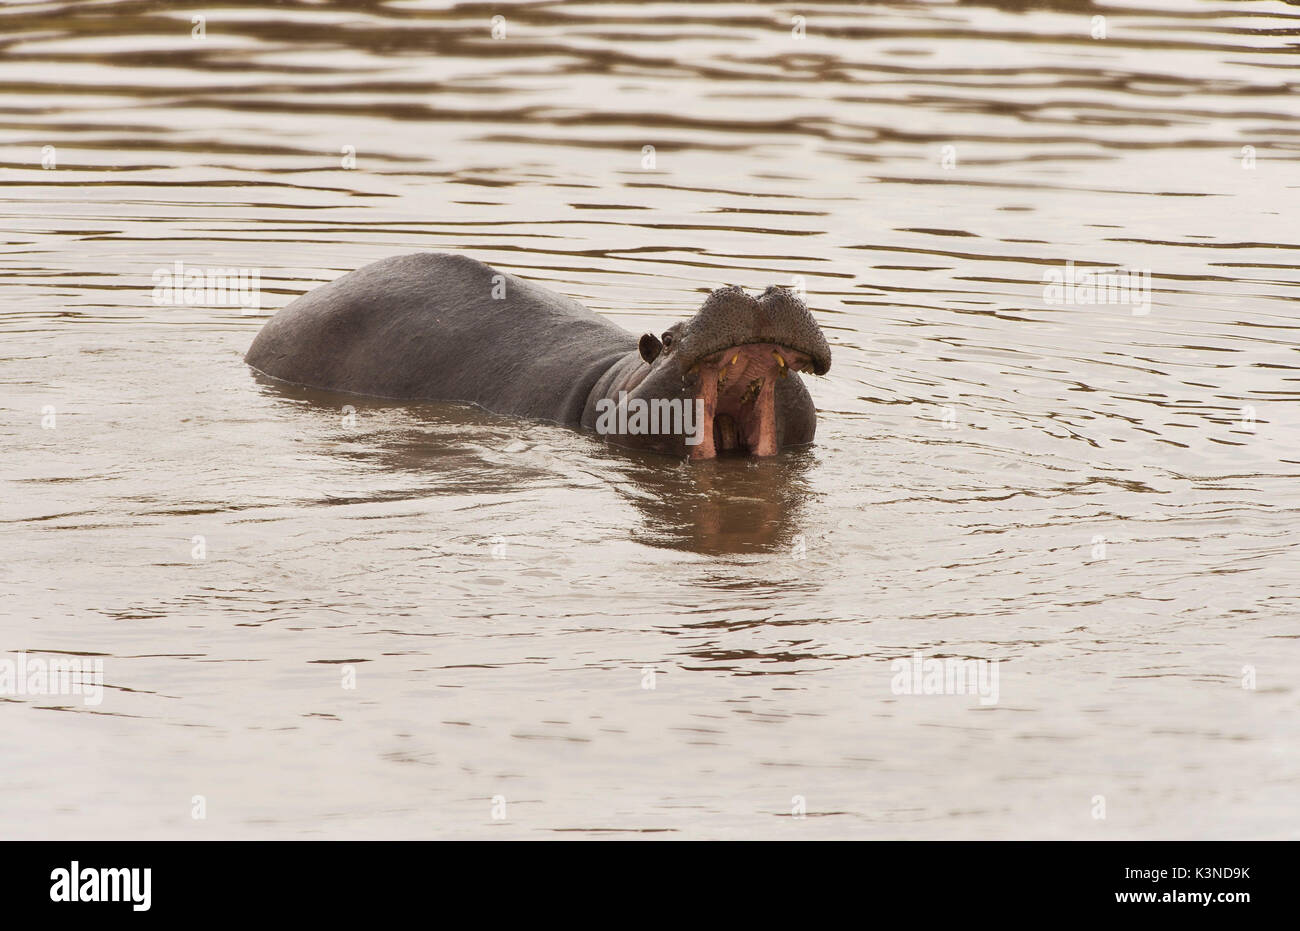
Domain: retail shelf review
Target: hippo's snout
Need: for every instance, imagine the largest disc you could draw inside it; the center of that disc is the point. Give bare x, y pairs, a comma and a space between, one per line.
730, 318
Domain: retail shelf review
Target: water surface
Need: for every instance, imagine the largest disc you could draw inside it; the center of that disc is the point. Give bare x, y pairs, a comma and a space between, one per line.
1105, 503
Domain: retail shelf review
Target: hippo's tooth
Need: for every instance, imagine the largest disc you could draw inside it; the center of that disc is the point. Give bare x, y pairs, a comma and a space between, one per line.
726, 369
780, 360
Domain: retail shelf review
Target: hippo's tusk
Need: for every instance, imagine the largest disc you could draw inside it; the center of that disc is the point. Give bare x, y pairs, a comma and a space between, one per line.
780, 360
726, 369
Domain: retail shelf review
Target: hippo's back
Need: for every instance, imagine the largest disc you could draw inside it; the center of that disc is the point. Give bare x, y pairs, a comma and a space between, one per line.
437, 326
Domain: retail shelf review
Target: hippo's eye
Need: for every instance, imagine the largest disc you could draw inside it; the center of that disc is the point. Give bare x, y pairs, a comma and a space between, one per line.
668, 340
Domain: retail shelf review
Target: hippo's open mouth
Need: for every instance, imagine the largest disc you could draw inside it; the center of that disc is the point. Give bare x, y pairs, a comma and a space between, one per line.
738, 388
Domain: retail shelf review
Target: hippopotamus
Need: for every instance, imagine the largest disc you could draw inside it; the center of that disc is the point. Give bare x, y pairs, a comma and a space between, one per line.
445, 327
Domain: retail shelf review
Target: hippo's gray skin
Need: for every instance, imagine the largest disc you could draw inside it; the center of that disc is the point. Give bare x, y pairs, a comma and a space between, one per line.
435, 326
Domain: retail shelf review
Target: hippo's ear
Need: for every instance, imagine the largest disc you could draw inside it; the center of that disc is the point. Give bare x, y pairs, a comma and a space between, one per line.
650, 347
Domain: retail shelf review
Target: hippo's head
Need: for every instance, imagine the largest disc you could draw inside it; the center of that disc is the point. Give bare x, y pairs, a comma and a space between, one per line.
738, 358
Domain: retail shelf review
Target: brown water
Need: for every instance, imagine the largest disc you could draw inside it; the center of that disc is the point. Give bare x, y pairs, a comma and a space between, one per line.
499, 588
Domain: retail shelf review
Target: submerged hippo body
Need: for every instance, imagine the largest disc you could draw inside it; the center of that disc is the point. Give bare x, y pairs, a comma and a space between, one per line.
434, 326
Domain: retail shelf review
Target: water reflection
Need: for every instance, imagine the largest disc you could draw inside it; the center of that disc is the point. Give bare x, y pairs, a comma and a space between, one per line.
730, 505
